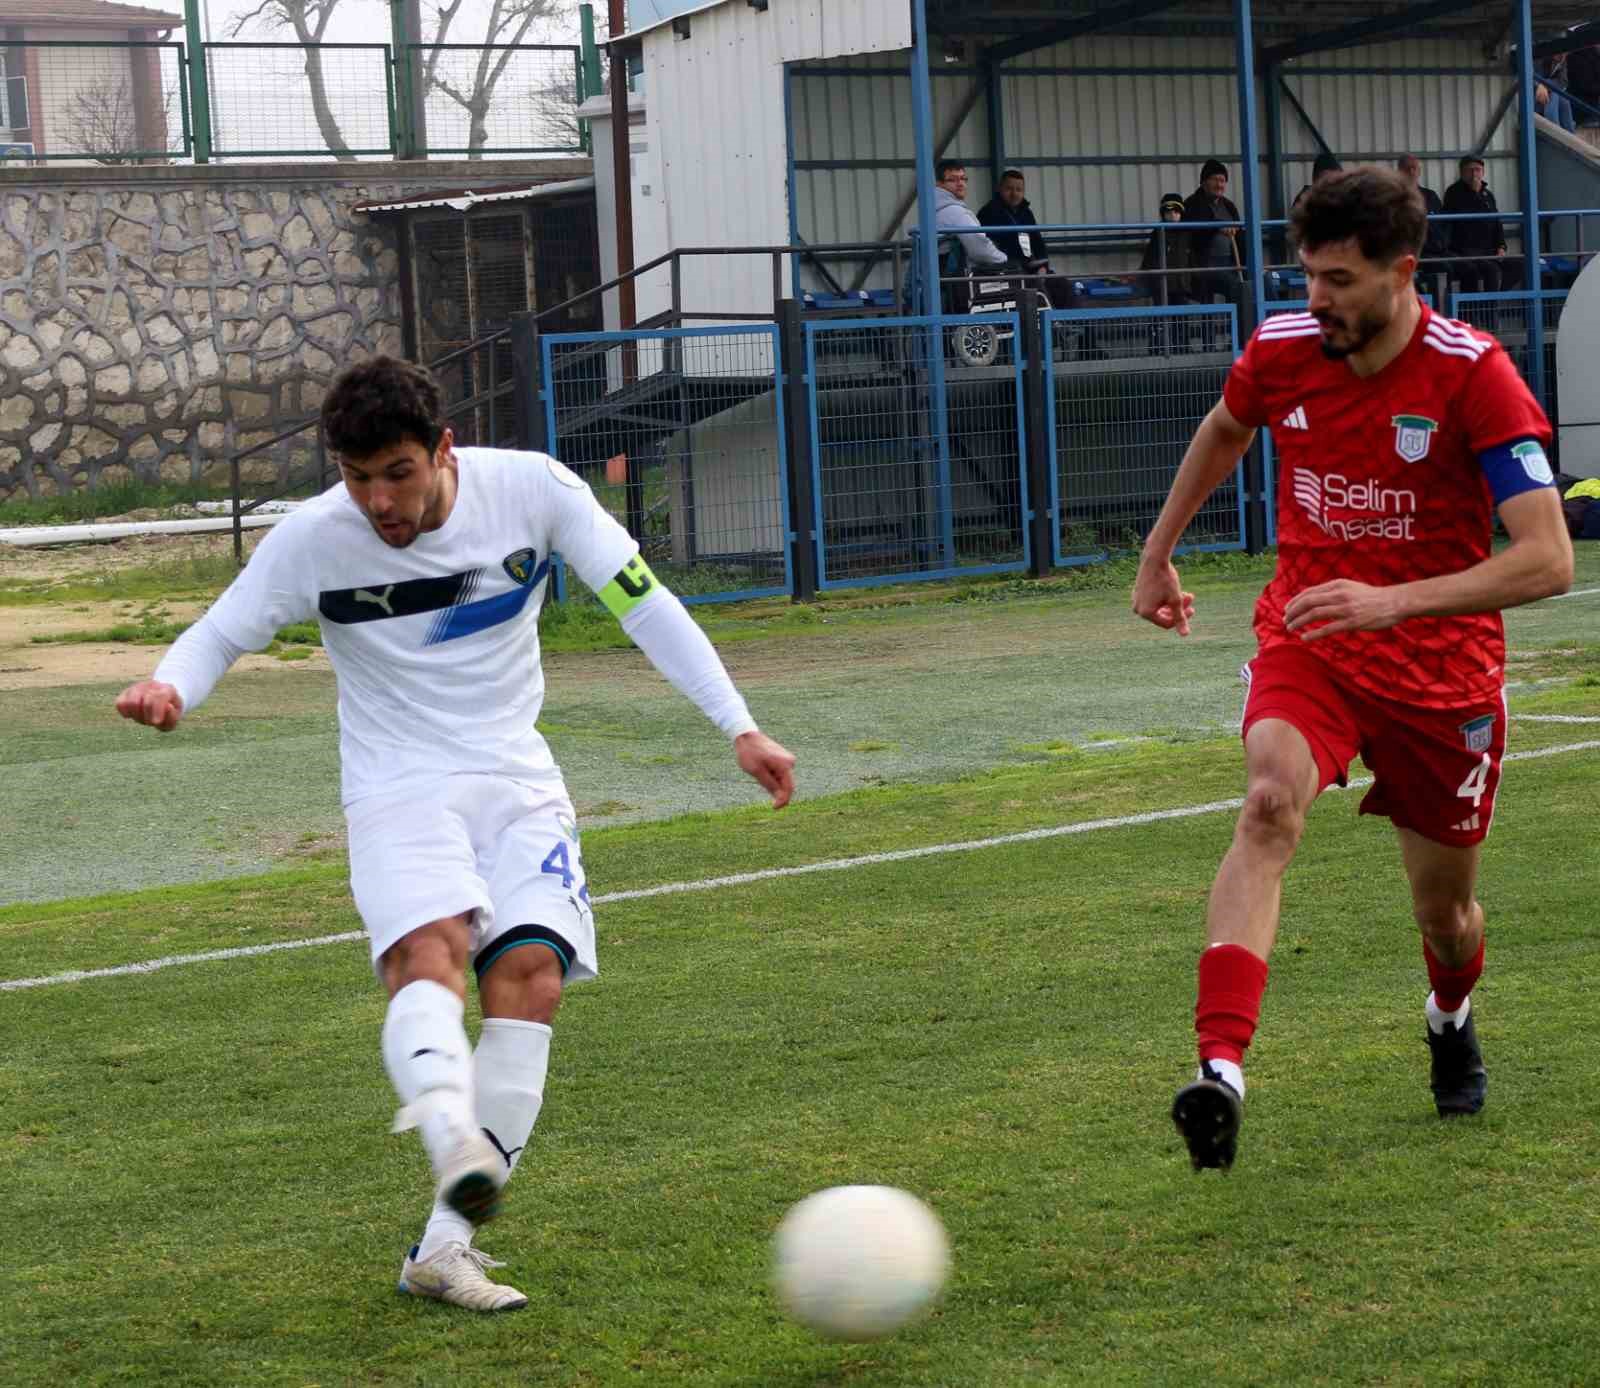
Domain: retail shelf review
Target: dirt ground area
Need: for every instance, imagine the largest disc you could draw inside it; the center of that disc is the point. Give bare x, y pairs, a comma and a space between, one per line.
26, 664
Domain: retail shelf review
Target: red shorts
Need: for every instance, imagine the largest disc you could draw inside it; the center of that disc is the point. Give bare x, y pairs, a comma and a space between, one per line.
1435, 770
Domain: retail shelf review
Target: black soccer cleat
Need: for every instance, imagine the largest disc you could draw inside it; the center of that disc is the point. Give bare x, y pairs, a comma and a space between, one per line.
1207, 1113
1457, 1077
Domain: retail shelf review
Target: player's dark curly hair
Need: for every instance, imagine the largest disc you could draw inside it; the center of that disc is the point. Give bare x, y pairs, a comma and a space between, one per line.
381, 402
1377, 208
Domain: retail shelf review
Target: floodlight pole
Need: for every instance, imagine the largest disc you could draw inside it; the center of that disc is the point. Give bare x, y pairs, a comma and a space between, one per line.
928, 251
1528, 187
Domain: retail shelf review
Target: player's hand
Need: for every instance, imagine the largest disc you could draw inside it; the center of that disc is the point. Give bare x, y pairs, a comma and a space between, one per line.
1158, 597
769, 762
1342, 605
154, 704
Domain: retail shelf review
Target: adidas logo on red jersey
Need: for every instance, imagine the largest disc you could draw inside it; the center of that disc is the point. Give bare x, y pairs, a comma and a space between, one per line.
1296, 419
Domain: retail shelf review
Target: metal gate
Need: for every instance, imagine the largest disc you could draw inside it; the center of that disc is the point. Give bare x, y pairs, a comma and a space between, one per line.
680, 432
918, 456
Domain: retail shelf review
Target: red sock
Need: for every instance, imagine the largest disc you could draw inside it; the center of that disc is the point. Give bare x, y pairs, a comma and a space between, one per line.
1232, 981
1451, 986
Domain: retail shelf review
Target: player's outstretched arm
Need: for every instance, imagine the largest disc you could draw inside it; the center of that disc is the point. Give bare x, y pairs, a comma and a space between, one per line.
1214, 452
186, 675
152, 703
1536, 564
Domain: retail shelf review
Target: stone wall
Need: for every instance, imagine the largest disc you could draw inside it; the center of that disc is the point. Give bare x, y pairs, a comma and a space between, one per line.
155, 320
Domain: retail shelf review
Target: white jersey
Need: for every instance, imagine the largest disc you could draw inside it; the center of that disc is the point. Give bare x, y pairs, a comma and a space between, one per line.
436, 645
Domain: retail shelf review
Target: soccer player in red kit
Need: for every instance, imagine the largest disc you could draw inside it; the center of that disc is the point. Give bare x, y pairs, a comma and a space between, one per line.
1399, 433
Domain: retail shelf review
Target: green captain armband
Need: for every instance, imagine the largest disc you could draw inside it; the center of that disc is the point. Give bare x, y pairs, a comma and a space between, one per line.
632, 585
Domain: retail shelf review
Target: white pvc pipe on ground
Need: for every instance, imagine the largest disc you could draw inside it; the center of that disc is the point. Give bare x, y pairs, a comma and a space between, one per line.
100, 531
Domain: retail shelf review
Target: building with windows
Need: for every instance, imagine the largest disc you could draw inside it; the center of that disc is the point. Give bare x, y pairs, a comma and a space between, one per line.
86, 78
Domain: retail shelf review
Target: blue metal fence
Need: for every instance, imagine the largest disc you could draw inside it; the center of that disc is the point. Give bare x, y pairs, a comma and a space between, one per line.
1507, 315
1128, 388
918, 449
681, 434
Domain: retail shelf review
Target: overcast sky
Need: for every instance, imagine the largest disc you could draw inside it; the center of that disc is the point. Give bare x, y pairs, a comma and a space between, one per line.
367, 21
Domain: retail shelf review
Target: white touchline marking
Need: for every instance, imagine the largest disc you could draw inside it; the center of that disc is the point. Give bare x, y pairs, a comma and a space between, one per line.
1555, 718
1581, 593
740, 879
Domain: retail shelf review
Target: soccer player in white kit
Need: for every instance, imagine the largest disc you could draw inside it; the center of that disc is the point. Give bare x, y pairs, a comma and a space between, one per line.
426, 568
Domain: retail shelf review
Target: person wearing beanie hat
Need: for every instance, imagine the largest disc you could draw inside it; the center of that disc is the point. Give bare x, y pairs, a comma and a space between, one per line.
1326, 163
1213, 251
1171, 256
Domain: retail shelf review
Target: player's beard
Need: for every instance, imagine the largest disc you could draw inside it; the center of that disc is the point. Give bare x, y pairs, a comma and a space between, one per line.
1368, 325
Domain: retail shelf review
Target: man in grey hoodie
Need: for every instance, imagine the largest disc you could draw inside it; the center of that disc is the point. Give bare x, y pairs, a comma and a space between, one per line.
951, 214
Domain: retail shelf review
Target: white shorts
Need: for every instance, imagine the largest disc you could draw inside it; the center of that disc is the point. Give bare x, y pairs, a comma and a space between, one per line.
504, 850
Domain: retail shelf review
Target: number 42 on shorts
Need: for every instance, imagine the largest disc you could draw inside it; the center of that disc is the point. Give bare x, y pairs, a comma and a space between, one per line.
559, 864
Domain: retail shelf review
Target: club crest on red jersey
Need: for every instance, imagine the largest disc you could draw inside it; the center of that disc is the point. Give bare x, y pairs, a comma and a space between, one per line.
1412, 435
1479, 733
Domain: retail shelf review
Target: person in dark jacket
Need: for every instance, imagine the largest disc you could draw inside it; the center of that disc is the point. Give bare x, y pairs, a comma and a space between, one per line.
1009, 207
1213, 253
1170, 256
1484, 241
1434, 248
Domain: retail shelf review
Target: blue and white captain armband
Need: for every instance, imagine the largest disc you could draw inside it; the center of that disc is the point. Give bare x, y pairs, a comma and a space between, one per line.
1516, 467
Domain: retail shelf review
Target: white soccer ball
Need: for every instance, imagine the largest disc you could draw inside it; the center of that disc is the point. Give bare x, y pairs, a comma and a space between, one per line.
858, 1262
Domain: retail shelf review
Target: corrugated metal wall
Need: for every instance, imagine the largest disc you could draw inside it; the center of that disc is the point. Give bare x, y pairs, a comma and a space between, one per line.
716, 127
1099, 139
866, 120
1102, 146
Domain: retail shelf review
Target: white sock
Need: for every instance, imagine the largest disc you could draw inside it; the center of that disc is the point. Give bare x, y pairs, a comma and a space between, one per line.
1437, 1016
1226, 1071
426, 1053
509, 1072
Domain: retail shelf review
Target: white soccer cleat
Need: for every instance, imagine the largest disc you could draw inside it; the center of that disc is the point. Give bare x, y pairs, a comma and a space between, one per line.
456, 1274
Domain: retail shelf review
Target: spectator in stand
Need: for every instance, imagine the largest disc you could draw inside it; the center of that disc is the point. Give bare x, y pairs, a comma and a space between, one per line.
1326, 163
1553, 107
1009, 207
1168, 257
1213, 253
1434, 248
953, 218
1324, 167
1484, 241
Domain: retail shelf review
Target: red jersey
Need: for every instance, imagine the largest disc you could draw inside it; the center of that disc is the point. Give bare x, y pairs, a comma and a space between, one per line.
1379, 481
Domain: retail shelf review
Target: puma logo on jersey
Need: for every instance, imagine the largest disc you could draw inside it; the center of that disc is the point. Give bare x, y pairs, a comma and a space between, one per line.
380, 599
1296, 419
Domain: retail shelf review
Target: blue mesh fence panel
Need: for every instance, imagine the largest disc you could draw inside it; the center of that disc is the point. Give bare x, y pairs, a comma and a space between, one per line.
680, 433
1128, 389
1506, 316
917, 472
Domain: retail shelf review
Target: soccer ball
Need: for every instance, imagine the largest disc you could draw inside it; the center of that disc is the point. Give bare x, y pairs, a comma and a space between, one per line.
858, 1262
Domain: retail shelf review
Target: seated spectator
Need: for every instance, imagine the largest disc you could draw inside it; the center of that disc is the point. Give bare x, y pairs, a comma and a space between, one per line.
1165, 251
1213, 253
1009, 207
1484, 242
951, 215
1434, 248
